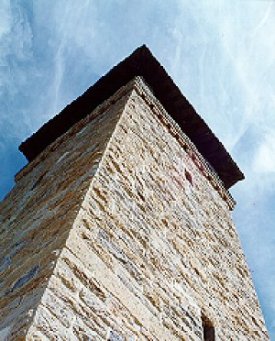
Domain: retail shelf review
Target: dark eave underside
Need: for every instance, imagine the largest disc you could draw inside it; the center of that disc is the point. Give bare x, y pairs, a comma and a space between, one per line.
140, 63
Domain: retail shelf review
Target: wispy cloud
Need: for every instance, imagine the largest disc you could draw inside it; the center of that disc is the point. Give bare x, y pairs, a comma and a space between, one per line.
264, 161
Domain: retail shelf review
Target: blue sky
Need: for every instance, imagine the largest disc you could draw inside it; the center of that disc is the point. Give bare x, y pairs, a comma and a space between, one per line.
220, 53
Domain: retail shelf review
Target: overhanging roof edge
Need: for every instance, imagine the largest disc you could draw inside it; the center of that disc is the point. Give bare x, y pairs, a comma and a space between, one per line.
140, 63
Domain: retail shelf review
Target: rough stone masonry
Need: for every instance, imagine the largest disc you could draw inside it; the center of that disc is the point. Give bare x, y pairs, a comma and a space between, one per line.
121, 230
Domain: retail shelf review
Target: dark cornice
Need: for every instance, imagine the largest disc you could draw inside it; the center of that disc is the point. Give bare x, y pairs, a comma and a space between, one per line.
140, 63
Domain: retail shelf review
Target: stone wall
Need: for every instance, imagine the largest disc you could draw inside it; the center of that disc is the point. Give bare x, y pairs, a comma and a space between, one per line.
37, 215
145, 248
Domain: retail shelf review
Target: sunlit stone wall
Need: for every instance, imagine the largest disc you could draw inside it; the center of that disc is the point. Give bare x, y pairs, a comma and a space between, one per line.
142, 248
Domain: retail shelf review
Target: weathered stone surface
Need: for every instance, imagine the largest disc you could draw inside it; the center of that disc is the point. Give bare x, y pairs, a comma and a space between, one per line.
37, 215
132, 233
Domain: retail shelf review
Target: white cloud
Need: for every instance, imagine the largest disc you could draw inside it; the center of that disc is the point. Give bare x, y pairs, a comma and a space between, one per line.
264, 161
5, 13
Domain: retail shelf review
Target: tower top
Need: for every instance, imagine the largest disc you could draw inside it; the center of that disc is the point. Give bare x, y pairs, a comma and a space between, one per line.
140, 63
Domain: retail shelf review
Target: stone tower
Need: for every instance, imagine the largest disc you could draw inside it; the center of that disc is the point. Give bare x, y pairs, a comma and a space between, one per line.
119, 228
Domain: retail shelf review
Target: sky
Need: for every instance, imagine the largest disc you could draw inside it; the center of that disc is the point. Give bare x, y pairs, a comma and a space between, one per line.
220, 53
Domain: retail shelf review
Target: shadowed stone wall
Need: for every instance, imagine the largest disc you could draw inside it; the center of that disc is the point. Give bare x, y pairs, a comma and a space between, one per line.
39, 212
